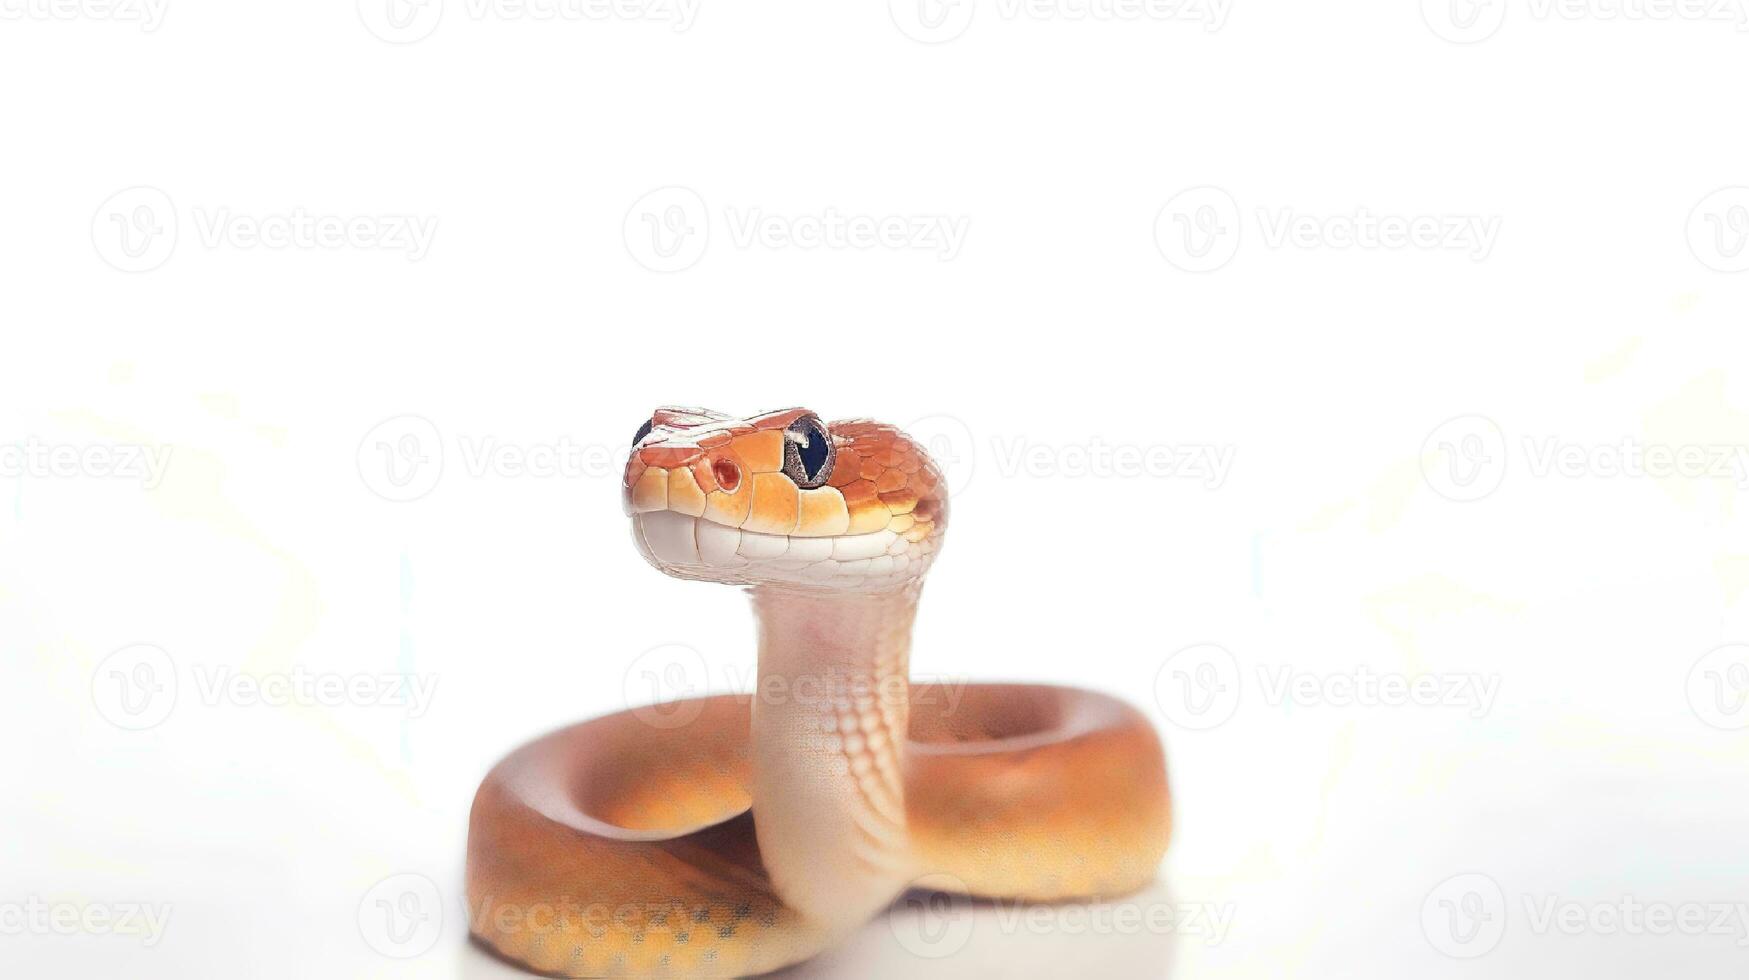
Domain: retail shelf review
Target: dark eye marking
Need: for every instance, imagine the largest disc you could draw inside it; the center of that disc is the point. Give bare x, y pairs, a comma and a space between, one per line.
643, 432
808, 453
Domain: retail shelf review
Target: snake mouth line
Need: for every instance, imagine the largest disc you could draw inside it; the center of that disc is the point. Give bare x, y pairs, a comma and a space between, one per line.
677, 542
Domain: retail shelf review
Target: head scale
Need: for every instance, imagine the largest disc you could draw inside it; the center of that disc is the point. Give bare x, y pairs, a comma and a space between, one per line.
783, 499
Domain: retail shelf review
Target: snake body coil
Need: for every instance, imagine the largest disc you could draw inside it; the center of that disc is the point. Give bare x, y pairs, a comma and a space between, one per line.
737, 834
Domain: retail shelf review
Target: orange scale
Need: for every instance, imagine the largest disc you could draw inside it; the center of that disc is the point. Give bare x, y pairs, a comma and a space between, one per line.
861, 492
729, 508
761, 451
900, 501
775, 505
778, 419
666, 457
701, 471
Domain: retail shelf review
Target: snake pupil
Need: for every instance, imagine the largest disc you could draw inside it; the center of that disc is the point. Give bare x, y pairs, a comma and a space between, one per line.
813, 456
808, 452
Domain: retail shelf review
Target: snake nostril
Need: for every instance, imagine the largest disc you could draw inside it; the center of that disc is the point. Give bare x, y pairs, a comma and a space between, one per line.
727, 473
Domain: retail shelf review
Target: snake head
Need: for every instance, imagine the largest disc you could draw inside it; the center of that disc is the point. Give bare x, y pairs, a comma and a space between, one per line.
783, 498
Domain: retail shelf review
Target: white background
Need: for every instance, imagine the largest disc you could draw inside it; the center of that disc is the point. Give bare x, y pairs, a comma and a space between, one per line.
1166, 249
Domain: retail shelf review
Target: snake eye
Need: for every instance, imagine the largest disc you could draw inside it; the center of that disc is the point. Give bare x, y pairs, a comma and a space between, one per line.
643, 432
808, 452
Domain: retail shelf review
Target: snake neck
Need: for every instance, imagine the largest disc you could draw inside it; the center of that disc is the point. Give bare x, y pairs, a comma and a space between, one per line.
829, 723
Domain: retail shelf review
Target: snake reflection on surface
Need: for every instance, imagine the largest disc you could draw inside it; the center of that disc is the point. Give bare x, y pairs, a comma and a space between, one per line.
738, 834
